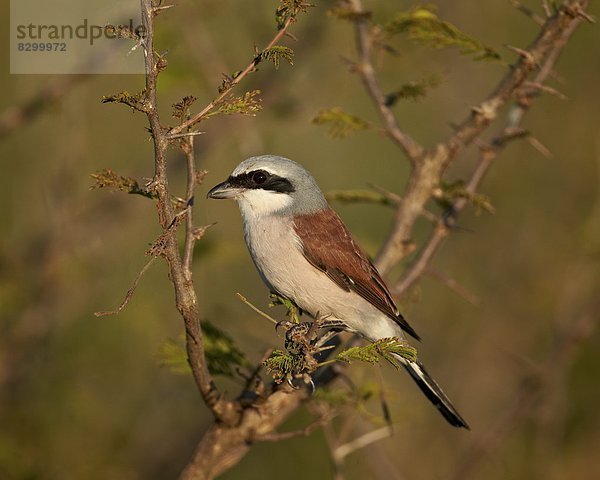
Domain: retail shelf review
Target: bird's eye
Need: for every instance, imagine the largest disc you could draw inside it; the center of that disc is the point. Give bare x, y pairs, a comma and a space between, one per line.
259, 178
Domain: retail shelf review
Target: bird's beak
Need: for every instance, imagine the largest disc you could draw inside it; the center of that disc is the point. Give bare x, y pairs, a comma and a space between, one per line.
223, 190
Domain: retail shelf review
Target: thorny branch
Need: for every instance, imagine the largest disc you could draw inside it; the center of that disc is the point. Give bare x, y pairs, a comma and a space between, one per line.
185, 295
427, 173
250, 68
526, 95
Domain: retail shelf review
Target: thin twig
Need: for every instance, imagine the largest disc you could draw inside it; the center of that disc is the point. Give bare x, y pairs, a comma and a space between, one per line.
366, 71
527, 11
255, 376
361, 442
184, 135
304, 432
250, 68
129, 293
256, 309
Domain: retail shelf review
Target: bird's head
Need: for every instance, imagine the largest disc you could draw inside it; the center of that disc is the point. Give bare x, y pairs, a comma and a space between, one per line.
269, 184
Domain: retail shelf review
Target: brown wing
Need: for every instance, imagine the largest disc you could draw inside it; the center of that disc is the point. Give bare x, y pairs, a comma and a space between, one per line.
328, 246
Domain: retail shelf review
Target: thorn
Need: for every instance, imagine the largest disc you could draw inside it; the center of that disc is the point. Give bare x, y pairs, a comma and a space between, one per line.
391, 196
158, 10
527, 55
540, 147
545, 88
187, 134
547, 9
291, 35
579, 11
527, 11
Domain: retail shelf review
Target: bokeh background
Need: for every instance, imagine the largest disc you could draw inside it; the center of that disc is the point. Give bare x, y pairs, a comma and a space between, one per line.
88, 398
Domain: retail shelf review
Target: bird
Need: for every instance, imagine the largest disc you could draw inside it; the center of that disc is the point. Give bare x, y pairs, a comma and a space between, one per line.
304, 252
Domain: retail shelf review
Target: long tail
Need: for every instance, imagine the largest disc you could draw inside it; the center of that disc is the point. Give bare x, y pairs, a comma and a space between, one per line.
434, 393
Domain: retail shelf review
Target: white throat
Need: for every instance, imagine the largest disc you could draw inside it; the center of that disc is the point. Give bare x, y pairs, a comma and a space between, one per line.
257, 203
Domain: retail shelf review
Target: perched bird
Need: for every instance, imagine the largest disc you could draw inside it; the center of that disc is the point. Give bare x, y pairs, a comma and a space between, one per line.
304, 252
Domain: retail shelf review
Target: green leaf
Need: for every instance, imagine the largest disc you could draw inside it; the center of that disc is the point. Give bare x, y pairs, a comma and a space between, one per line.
415, 90
289, 10
284, 365
293, 312
107, 178
423, 26
277, 53
247, 104
341, 124
172, 354
385, 348
447, 193
136, 101
359, 196
221, 352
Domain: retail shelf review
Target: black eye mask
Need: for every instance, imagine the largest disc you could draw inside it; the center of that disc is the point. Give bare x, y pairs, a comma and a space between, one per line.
260, 179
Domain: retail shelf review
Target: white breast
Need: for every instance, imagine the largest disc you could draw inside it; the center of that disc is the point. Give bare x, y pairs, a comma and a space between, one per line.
277, 254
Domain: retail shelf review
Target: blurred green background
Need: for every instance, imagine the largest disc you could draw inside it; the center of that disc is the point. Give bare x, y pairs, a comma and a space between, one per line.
87, 398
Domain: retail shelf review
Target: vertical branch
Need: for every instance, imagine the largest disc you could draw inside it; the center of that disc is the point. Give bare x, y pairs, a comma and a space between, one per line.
185, 295
187, 145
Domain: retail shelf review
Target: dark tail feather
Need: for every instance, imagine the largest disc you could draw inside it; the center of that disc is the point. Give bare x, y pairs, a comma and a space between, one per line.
404, 325
434, 393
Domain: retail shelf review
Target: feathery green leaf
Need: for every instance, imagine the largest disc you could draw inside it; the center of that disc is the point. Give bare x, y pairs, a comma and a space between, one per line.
293, 312
415, 90
359, 196
447, 193
289, 10
222, 354
341, 124
248, 104
423, 26
107, 178
277, 53
134, 100
383, 348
